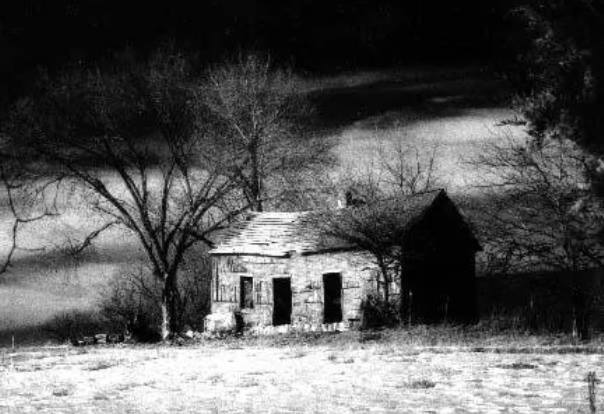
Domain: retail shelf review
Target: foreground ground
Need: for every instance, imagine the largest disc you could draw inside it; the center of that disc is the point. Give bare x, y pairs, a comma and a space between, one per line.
391, 375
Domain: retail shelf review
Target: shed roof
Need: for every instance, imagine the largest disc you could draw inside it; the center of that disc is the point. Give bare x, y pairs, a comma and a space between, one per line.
279, 234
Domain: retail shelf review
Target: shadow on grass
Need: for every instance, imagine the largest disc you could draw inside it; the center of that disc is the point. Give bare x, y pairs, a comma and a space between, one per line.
24, 336
60, 328
117, 253
339, 107
59, 273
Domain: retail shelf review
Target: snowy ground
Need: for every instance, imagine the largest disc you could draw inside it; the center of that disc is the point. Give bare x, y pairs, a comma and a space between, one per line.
383, 377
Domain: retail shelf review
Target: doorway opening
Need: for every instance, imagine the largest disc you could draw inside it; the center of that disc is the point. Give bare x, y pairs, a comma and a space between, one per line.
332, 300
282, 301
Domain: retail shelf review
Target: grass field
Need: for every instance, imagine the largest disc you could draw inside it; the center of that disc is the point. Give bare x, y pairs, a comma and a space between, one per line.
456, 108
399, 372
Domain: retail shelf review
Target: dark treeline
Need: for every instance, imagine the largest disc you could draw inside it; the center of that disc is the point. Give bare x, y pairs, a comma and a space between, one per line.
313, 34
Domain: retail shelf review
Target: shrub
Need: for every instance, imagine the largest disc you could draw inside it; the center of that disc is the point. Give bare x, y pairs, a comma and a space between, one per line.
132, 302
379, 313
72, 325
194, 292
422, 384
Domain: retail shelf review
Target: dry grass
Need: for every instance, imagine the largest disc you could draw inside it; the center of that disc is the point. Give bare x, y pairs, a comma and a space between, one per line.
336, 373
437, 339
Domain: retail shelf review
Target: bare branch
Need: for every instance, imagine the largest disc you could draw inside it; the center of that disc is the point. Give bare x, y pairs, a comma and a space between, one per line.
18, 216
538, 210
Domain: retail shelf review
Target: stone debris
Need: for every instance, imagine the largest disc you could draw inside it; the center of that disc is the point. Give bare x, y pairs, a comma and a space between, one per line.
115, 338
220, 322
98, 339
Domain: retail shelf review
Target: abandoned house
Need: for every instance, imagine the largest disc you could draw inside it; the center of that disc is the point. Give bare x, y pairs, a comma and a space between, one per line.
276, 269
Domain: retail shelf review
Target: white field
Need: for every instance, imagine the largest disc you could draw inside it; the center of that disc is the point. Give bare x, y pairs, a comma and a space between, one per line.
354, 378
457, 139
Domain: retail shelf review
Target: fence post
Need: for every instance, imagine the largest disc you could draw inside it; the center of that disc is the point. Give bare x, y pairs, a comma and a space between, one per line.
410, 307
591, 389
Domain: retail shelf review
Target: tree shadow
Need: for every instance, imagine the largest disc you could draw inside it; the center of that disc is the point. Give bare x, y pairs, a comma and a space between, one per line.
29, 335
55, 261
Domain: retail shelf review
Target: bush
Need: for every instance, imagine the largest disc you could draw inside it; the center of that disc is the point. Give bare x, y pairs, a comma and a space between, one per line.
132, 305
379, 313
133, 301
194, 292
73, 325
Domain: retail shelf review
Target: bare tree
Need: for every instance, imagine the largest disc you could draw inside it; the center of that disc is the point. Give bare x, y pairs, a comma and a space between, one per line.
539, 212
543, 204
395, 169
408, 168
132, 139
257, 112
375, 219
375, 228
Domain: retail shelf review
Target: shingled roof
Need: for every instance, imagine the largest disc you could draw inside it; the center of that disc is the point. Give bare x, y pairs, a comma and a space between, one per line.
278, 234
271, 234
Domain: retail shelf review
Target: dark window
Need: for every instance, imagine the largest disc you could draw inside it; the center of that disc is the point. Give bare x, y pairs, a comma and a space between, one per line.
332, 300
247, 292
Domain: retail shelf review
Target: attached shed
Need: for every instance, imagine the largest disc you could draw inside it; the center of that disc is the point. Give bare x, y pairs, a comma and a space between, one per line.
277, 269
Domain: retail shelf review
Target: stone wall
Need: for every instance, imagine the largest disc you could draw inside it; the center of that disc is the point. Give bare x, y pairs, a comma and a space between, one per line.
357, 269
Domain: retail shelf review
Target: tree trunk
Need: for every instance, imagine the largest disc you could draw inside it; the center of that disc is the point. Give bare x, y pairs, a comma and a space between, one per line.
581, 314
386, 291
384, 271
169, 324
256, 183
581, 306
405, 309
165, 318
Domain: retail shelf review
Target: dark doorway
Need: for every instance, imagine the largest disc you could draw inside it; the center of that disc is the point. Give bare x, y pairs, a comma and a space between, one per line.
332, 287
247, 292
282, 301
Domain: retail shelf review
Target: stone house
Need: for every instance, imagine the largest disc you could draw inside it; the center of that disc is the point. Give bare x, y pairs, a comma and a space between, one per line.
276, 269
